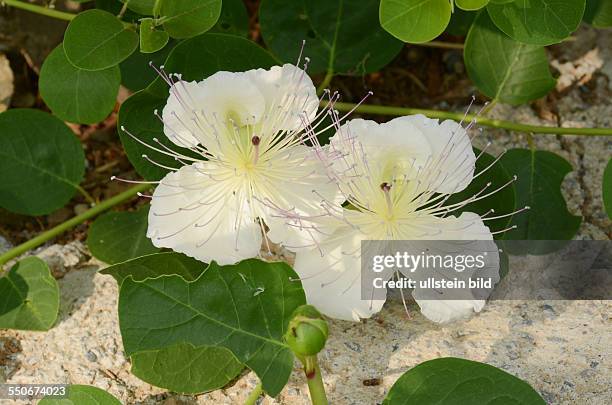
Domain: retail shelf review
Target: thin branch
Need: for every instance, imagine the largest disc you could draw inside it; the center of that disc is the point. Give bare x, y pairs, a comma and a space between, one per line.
487, 122
39, 9
64, 226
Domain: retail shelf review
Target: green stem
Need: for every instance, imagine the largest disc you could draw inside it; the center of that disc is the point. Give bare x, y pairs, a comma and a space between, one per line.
315, 380
254, 395
85, 194
488, 107
156, 8
64, 226
326, 80
441, 44
39, 9
487, 122
123, 9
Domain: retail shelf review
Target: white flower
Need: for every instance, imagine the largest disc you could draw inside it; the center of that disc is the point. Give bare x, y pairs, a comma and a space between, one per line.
250, 130
397, 177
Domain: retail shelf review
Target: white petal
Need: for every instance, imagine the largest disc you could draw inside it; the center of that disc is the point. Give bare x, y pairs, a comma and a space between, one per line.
469, 227
332, 282
392, 149
452, 154
300, 188
195, 110
193, 214
444, 311
288, 92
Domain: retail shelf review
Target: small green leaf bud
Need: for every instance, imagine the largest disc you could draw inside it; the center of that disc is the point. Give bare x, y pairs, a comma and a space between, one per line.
307, 331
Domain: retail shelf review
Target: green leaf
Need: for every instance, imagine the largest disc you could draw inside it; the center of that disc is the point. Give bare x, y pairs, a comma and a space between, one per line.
200, 57
188, 18
195, 59
41, 161
29, 296
450, 380
77, 95
470, 5
136, 73
144, 7
115, 6
151, 40
244, 307
97, 40
187, 369
82, 395
598, 13
503, 69
155, 265
137, 116
607, 189
233, 19
415, 21
538, 22
538, 186
119, 236
502, 201
341, 36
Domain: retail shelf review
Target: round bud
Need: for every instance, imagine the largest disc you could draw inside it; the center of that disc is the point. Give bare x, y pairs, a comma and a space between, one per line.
307, 331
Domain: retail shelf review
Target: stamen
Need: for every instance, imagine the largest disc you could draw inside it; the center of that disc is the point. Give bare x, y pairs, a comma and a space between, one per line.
255, 140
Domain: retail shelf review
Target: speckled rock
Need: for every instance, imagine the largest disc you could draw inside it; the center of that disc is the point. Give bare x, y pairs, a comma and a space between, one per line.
60, 258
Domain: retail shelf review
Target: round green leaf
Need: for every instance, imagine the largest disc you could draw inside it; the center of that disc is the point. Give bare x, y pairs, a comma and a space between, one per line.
41, 161
539, 177
450, 380
502, 201
470, 5
77, 95
144, 7
97, 40
187, 369
151, 39
415, 21
233, 20
155, 265
195, 59
244, 308
503, 69
82, 395
341, 36
538, 22
119, 236
136, 73
29, 296
607, 189
598, 13
188, 18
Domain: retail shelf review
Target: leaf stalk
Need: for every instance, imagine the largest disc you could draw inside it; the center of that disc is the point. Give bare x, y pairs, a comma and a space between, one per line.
49, 12
74, 221
487, 122
314, 379
254, 395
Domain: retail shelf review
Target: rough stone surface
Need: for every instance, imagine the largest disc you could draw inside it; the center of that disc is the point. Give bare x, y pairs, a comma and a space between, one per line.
562, 348
60, 258
6, 82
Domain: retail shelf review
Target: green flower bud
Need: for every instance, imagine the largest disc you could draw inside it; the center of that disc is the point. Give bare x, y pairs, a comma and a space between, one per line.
307, 332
